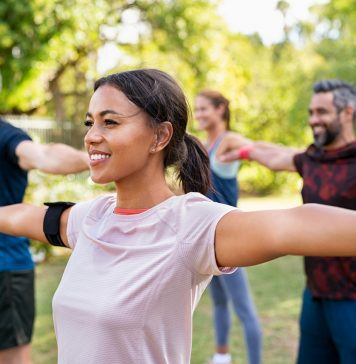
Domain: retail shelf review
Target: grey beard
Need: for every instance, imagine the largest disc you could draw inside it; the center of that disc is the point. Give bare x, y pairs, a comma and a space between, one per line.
329, 136
325, 139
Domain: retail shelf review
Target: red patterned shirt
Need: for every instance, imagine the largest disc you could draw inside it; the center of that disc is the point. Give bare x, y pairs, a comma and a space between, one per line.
329, 178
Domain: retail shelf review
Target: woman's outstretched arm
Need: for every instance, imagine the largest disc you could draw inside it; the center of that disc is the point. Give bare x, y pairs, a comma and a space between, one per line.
248, 238
273, 156
27, 220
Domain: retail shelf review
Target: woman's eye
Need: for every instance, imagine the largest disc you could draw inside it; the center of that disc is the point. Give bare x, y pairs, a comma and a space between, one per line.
88, 123
110, 122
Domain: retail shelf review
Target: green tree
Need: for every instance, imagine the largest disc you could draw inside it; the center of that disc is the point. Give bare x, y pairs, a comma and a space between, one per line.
50, 48
333, 37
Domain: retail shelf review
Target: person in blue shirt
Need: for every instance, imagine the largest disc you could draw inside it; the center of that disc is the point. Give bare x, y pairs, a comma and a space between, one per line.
19, 154
213, 114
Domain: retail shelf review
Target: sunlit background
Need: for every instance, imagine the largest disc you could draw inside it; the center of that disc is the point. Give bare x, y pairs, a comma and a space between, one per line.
264, 55
263, 17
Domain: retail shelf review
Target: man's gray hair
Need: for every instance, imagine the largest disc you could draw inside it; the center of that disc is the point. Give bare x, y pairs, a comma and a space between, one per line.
344, 93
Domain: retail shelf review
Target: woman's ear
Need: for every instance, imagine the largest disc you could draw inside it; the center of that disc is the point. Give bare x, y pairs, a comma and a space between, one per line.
221, 109
163, 134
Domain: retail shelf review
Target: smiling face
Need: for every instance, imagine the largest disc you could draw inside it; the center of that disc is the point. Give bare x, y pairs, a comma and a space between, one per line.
325, 120
207, 115
119, 138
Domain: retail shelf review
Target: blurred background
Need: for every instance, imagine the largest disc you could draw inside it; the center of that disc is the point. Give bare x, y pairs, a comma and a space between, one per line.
263, 55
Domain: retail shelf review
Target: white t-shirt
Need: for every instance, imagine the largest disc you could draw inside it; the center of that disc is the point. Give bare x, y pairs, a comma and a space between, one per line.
132, 282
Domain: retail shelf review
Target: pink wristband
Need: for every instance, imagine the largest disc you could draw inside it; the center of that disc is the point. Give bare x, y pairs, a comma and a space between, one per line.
244, 152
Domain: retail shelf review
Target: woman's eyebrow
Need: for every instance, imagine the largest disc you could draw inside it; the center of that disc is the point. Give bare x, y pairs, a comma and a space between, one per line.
104, 112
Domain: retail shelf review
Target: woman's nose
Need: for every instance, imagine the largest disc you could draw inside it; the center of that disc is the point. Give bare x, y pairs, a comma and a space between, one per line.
93, 135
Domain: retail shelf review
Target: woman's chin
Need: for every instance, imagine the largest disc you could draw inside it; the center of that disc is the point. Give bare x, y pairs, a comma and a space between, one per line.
99, 180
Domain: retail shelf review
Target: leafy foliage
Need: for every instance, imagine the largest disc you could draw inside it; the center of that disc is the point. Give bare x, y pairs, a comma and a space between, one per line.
52, 51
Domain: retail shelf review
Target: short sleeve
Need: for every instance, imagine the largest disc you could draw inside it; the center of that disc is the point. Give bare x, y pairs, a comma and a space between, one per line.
298, 162
11, 137
77, 215
197, 239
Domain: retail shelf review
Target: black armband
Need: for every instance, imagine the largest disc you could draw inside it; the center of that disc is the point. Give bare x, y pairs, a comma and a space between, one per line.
51, 222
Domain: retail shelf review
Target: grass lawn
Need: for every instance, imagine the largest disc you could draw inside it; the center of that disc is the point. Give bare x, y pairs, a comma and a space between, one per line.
48, 276
276, 287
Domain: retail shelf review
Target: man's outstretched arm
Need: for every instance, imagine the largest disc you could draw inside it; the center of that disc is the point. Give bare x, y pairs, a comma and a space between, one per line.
54, 158
272, 156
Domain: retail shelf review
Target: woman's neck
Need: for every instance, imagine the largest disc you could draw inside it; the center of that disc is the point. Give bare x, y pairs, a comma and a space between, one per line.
214, 133
142, 193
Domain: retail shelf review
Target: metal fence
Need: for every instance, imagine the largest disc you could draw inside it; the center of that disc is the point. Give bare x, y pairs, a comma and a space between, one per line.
48, 131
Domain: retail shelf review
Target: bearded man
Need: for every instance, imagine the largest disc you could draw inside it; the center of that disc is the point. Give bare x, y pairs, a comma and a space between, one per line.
328, 169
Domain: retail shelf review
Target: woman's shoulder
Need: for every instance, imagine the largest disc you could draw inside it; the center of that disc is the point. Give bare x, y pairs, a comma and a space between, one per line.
194, 205
195, 217
95, 206
191, 198
198, 201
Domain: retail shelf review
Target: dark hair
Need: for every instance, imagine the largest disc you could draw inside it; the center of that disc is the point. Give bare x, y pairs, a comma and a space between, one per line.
217, 99
344, 93
161, 98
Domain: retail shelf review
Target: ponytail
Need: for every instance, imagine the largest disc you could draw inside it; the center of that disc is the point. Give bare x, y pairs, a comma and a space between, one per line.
193, 168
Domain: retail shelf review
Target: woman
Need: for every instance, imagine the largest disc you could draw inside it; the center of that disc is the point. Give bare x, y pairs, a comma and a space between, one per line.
213, 114
142, 257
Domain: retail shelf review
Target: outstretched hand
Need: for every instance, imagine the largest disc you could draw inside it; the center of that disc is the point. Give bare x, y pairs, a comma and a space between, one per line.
233, 147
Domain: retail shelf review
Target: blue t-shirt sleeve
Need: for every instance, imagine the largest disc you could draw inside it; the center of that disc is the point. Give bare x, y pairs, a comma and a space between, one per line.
11, 137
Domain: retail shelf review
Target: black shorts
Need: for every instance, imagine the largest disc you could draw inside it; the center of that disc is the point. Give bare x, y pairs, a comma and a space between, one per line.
17, 308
